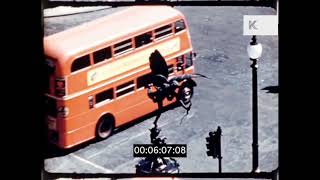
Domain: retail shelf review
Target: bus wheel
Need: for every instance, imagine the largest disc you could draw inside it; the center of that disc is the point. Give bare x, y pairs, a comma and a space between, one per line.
185, 95
105, 127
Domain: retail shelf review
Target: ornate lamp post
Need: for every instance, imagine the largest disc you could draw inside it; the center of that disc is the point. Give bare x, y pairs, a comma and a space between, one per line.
254, 50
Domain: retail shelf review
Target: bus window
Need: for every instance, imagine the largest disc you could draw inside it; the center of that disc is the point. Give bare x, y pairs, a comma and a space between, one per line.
123, 47
51, 106
163, 31
143, 39
180, 63
189, 60
125, 88
143, 81
50, 69
170, 69
80, 63
104, 95
102, 55
50, 66
179, 25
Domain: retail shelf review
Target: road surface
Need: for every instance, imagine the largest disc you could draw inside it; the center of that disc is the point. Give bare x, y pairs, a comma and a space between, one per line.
224, 100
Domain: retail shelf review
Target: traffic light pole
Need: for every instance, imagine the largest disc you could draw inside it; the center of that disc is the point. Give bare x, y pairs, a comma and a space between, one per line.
219, 148
220, 165
214, 146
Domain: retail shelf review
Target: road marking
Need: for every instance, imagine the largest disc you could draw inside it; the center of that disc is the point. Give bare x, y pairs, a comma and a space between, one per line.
92, 164
129, 162
117, 144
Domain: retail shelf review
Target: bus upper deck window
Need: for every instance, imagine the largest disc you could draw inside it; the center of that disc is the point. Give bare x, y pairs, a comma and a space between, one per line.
123, 46
143, 39
179, 25
50, 66
50, 70
80, 63
102, 55
163, 31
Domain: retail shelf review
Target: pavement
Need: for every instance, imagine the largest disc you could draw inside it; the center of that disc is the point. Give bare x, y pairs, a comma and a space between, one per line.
224, 100
68, 10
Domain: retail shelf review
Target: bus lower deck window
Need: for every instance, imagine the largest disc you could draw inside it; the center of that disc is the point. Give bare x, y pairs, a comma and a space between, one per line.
189, 59
125, 88
104, 95
170, 69
51, 105
143, 81
180, 63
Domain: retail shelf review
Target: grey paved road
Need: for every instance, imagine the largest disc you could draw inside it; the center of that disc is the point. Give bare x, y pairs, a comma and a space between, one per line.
224, 100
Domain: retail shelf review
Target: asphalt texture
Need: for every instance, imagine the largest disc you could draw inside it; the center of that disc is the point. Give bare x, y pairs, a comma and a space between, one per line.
223, 100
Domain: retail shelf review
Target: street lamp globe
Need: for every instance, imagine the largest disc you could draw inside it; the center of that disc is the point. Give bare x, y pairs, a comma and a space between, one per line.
254, 49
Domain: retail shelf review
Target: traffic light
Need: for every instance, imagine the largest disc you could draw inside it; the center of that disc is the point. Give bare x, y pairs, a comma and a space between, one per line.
211, 145
214, 144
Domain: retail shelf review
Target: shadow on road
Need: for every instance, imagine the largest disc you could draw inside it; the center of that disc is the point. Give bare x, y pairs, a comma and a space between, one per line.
271, 89
52, 151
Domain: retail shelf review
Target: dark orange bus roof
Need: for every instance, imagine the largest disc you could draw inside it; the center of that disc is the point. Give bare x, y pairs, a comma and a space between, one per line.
85, 38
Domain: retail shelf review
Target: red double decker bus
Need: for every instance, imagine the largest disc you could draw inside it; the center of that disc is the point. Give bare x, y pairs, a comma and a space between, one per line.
99, 70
